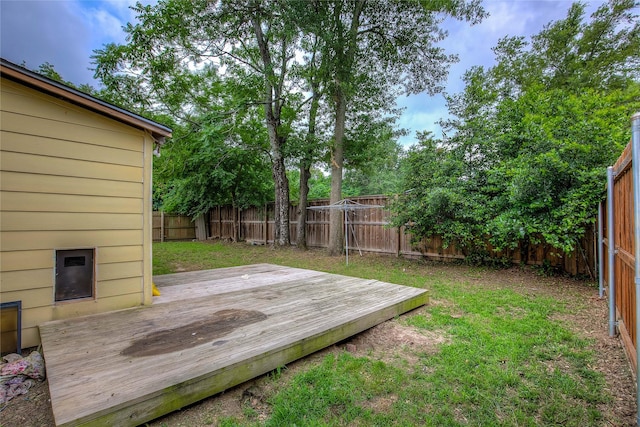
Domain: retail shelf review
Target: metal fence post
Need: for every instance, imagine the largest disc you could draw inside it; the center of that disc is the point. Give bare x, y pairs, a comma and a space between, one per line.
600, 253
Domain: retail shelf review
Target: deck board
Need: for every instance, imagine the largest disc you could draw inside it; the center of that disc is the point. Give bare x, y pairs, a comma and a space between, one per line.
189, 340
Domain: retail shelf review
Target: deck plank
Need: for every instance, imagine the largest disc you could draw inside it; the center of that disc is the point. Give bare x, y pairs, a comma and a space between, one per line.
93, 379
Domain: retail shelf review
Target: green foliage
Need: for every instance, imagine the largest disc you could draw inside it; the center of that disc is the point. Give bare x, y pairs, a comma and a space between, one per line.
203, 170
532, 137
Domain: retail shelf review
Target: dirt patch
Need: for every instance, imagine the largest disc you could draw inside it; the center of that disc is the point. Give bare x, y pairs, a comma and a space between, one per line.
221, 323
392, 342
380, 404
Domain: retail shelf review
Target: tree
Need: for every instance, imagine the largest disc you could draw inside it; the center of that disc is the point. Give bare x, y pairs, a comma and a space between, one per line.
531, 137
243, 39
393, 40
204, 170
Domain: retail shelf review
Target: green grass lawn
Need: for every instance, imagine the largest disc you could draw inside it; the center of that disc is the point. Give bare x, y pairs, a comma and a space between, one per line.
508, 359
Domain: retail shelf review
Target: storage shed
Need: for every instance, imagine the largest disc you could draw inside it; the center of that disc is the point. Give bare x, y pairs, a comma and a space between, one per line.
75, 204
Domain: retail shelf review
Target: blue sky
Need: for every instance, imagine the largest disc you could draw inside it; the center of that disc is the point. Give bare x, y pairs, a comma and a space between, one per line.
65, 33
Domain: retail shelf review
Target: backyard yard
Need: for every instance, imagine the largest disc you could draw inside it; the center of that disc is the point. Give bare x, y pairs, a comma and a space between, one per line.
493, 347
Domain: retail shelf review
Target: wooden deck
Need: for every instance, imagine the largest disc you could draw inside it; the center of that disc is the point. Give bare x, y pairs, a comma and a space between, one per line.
208, 331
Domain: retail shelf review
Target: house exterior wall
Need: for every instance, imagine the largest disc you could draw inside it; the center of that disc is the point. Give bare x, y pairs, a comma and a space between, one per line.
71, 178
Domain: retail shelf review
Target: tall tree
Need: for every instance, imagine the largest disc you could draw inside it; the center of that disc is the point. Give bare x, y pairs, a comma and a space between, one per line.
394, 39
243, 39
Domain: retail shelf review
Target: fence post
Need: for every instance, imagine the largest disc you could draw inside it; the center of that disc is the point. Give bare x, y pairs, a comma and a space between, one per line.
599, 252
161, 226
611, 253
635, 164
266, 224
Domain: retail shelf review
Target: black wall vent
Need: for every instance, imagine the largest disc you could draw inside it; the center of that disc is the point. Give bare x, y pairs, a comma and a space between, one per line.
74, 274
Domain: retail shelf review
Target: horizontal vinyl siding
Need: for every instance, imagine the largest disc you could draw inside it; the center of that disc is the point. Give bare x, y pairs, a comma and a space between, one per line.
43, 165
31, 298
60, 185
51, 129
25, 260
14, 281
120, 270
113, 288
35, 240
45, 202
38, 291
55, 114
60, 148
70, 178
71, 221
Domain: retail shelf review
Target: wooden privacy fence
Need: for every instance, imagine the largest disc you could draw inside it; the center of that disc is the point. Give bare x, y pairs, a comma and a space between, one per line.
369, 232
171, 227
623, 254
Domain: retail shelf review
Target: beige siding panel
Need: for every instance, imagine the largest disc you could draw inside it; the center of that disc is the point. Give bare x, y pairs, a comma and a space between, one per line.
25, 260
29, 163
71, 309
28, 182
119, 254
41, 202
37, 126
30, 337
21, 143
48, 221
31, 298
22, 100
26, 280
27, 240
120, 270
111, 288
36, 316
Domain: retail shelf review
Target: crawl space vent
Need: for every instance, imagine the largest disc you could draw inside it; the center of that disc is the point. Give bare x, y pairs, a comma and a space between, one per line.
74, 274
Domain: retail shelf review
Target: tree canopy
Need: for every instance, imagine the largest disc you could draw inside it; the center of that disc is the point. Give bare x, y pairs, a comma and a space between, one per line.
525, 155
321, 75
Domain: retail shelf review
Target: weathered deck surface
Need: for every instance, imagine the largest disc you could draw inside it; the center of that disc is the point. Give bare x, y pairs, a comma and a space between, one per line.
210, 330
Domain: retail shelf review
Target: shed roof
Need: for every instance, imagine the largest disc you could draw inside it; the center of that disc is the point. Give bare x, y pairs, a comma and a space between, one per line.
44, 84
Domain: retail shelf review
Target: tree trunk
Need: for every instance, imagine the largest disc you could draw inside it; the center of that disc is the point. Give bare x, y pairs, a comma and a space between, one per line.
336, 233
346, 49
305, 168
305, 174
272, 109
281, 214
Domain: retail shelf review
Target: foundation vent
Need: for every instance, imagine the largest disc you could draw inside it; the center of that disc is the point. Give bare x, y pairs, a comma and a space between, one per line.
74, 274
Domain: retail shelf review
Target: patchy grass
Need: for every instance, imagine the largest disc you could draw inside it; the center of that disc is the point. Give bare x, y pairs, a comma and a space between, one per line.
508, 359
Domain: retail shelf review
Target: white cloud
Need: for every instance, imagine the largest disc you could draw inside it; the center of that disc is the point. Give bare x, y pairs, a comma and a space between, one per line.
106, 26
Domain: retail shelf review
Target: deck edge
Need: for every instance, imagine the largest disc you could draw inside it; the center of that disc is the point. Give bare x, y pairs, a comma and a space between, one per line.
155, 405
